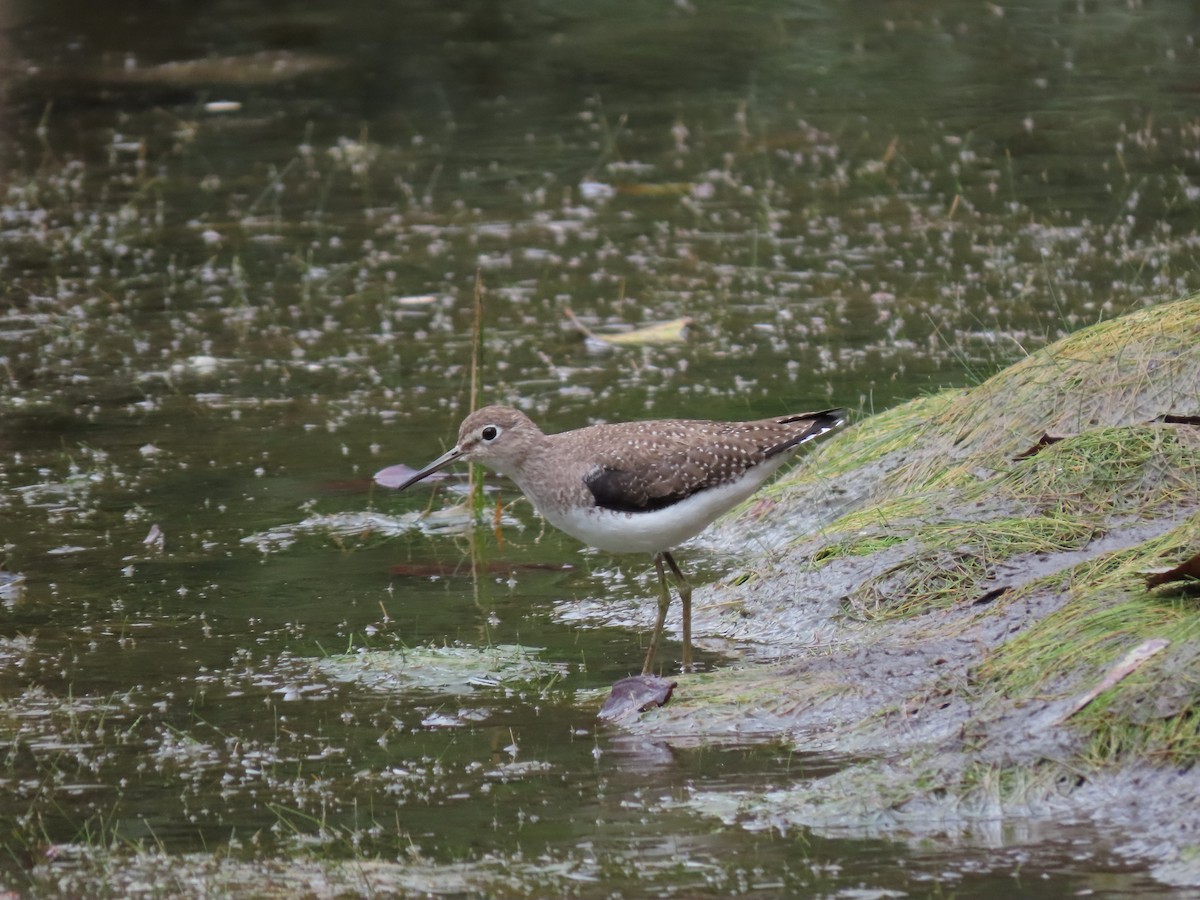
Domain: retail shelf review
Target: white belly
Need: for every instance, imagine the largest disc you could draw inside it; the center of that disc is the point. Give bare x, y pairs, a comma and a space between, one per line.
660, 529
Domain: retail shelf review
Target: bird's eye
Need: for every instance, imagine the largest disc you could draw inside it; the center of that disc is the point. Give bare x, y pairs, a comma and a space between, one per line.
490, 433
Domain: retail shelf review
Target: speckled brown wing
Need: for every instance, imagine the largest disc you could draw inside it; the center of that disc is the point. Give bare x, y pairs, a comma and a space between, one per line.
653, 466
626, 483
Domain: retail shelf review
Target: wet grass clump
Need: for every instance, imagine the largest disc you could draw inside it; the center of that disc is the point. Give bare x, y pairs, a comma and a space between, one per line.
963, 482
1104, 481
1126, 371
1144, 470
1149, 715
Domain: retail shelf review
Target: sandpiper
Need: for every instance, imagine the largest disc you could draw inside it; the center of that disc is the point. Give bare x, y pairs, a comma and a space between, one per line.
635, 486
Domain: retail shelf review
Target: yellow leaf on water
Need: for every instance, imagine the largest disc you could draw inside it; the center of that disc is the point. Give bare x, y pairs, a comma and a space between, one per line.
672, 332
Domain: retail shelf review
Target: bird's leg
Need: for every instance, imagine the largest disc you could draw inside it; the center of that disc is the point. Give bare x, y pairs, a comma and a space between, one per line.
664, 601
685, 602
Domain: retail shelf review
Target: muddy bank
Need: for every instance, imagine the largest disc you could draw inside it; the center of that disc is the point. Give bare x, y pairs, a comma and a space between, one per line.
970, 615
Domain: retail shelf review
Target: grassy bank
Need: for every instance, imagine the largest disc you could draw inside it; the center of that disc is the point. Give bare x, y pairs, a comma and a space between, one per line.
975, 615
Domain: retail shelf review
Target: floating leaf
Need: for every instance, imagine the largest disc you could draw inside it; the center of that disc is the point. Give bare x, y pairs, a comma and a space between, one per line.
672, 332
636, 694
394, 476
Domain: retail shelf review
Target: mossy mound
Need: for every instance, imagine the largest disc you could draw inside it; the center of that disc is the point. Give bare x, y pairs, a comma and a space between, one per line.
1128, 371
972, 613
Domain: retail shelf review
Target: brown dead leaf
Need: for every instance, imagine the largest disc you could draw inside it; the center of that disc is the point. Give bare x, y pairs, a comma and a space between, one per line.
1042, 443
1186, 571
636, 694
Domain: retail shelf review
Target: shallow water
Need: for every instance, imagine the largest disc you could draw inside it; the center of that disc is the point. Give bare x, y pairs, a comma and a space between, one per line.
239, 251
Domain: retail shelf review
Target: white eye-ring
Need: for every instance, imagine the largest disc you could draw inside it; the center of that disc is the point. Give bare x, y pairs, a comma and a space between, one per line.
490, 432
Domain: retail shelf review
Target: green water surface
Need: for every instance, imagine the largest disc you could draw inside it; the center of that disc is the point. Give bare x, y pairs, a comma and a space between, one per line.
238, 249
